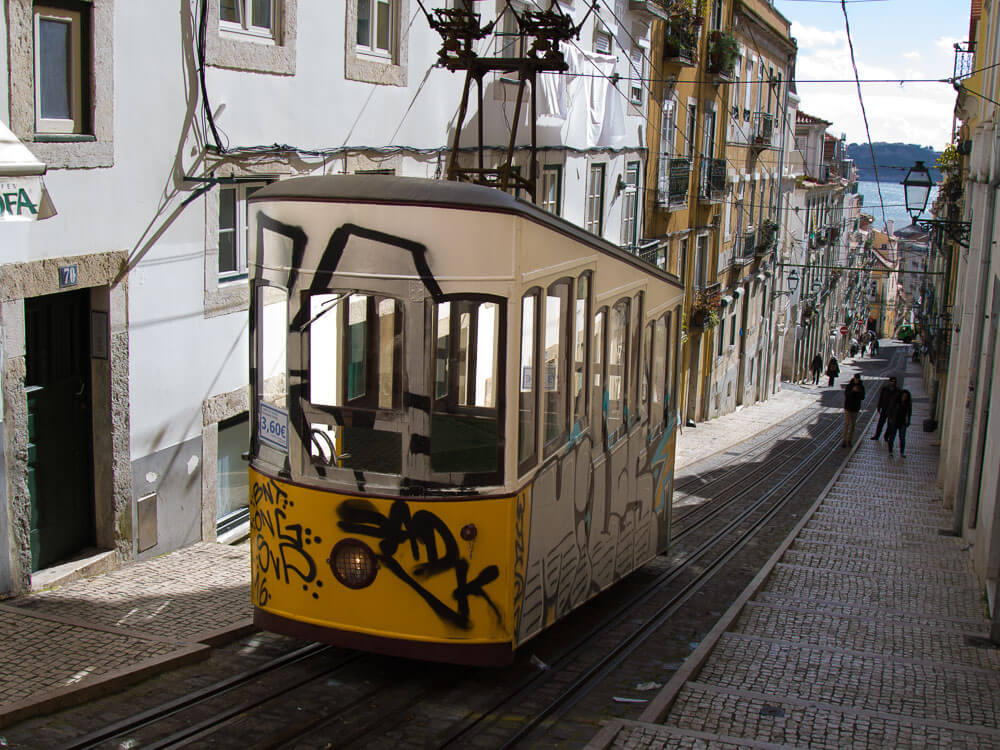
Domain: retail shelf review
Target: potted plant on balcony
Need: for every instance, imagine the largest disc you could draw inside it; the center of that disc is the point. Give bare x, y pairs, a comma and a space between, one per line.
723, 50
684, 20
766, 235
705, 309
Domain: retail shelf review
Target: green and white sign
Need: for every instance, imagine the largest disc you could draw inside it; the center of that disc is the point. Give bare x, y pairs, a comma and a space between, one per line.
20, 198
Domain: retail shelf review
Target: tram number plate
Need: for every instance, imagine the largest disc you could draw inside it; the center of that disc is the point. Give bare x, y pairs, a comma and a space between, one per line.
272, 428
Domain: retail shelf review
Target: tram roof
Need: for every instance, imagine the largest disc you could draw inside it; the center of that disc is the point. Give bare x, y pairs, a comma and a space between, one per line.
419, 191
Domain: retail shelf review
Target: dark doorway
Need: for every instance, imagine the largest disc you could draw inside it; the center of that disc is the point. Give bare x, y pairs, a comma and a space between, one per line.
60, 453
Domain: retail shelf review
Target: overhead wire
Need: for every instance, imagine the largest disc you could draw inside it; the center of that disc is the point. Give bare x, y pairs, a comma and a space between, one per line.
864, 113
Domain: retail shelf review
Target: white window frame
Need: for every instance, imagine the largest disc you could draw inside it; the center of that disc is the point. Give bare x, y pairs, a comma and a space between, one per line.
240, 230
73, 124
603, 38
691, 129
372, 49
668, 127
594, 221
630, 205
246, 27
550, 173
637, 68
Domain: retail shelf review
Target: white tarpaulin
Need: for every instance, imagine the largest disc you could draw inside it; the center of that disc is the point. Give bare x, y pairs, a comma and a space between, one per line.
23, 196
582, 103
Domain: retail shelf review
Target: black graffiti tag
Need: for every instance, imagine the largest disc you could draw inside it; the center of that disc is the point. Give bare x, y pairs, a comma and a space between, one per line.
430, 540
281, 546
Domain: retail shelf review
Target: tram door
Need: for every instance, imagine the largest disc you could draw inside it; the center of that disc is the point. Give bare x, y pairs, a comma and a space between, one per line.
60, 453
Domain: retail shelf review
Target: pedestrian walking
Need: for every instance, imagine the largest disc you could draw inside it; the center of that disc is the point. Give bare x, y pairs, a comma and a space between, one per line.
874, 343
886, 397
816, 367
854, 395
832, 369
899, 419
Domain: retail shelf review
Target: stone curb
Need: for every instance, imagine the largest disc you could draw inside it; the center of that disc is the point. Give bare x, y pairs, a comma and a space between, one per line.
195, 649
96, 687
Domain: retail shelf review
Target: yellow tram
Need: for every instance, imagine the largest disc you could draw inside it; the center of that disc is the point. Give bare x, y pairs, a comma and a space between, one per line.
462, 415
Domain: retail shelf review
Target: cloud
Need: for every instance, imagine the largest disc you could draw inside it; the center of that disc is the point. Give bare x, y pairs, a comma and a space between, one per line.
912, 112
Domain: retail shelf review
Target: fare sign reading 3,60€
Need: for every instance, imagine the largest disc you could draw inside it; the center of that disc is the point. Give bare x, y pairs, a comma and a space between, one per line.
272, 428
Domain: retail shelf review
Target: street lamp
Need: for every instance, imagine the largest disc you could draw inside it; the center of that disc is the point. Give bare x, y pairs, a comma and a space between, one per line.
917, 189
792, 280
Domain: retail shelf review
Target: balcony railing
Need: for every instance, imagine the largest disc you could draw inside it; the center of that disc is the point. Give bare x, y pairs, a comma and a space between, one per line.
964, 57
712, 180
763, 129
744, 246
681, 37
675, 175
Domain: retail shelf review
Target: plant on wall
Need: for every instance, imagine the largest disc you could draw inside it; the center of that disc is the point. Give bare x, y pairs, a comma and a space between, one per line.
767, 235
705, 309
723, 50
948, 203
684, 20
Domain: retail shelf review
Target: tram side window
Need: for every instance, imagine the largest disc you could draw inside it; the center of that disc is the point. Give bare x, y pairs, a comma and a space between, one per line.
581, 351
465, 423
355, 363
555, 400
634, 404
645, 363
597, 415
527, 384
660, 359
618, 338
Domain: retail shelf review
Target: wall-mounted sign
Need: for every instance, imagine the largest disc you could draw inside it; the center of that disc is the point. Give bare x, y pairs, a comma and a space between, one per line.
67, 276
24, 199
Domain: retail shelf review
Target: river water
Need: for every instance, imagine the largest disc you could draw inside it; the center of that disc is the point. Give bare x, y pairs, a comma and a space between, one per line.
893, 200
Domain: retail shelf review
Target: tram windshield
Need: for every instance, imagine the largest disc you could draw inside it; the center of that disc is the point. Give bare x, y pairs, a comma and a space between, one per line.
355, 348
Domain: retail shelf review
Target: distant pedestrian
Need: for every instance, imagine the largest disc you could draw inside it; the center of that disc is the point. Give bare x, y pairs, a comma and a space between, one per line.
899, 419
873, 343
816, 367
854, 395
854, 347
832, 370
886, 398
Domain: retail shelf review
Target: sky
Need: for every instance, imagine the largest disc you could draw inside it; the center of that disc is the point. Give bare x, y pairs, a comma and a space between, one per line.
893, 39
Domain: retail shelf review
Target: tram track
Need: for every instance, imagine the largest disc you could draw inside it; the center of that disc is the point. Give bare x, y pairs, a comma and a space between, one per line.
767, 506
362, 722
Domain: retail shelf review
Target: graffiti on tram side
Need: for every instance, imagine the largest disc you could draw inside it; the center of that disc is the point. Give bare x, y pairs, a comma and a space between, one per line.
611, 514
431, 544
282, 547
520, 553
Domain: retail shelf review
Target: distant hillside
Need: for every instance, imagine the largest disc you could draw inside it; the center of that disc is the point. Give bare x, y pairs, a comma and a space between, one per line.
893, 160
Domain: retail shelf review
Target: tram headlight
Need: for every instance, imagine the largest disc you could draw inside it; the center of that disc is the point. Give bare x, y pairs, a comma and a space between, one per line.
353, 563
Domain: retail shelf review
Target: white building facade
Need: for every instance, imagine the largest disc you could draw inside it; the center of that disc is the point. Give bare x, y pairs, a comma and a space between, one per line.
123, 354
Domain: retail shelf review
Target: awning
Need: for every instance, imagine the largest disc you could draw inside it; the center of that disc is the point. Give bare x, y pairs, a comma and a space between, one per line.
738, 292
23, 196
726, 301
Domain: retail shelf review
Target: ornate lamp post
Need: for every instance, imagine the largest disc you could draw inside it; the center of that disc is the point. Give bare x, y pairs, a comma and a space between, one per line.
917, 188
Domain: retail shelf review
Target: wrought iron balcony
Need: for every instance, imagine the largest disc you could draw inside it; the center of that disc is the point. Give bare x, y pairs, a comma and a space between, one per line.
712, 179
745, 246
964, 59
675, 175
763, 129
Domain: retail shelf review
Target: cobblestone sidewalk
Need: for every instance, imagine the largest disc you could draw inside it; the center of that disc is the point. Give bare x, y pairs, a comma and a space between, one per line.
867, 630
66, 644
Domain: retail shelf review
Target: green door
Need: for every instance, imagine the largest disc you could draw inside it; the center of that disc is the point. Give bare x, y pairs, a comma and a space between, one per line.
60, 456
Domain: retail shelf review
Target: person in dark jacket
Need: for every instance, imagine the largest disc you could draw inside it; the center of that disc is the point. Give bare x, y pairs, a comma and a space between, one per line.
886, 397
899, 419
854, 396
816, 367
832, 370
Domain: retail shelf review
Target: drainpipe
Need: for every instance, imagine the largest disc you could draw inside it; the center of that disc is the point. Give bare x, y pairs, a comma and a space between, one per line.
979, 307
